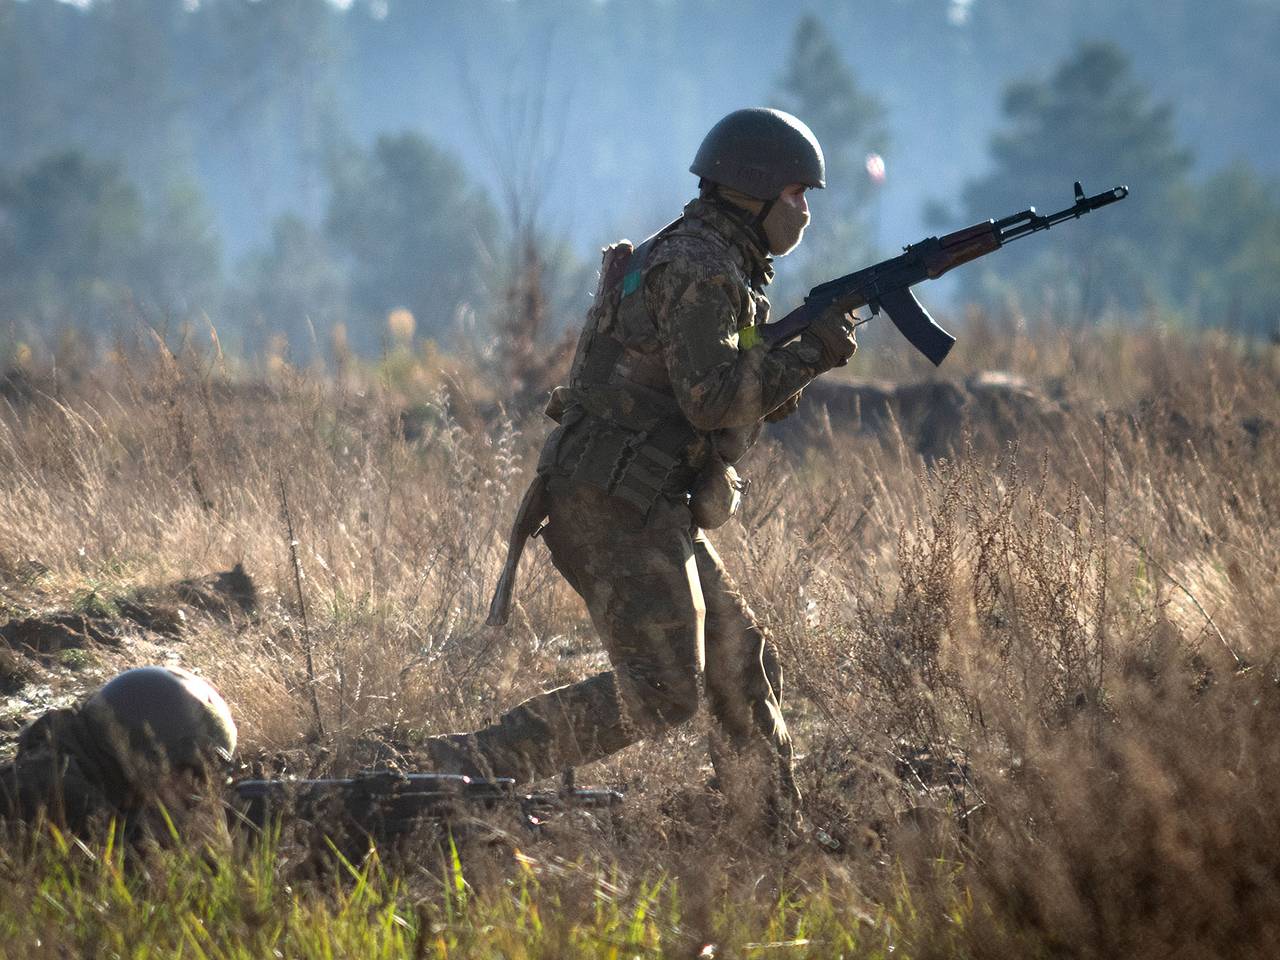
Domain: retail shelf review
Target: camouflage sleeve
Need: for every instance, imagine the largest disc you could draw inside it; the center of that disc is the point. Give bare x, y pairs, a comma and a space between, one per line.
789, 406
718, 384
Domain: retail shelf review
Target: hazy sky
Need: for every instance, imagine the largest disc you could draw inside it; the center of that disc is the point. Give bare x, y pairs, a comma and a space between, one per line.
601, 103
626, 110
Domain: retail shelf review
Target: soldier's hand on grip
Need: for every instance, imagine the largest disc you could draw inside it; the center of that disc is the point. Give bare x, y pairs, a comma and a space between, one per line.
834, 332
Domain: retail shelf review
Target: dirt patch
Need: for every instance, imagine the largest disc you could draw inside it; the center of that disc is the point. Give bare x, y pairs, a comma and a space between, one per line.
15, 672
934, 417
228, 594
49, 635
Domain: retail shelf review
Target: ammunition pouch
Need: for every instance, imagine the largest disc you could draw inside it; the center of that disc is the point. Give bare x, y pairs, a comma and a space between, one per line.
621, 429
716, 494
637, 466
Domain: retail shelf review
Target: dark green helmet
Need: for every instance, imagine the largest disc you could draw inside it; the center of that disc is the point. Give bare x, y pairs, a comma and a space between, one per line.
758, 151
163, 715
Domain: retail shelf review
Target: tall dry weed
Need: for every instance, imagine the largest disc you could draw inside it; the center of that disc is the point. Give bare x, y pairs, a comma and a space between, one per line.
1039, 681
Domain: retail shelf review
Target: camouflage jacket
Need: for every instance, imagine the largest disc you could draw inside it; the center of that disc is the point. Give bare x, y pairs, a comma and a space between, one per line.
669, 370
64, 774
704, 287
60, 772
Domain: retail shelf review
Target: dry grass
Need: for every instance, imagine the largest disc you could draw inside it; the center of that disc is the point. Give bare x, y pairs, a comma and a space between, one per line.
1034, 688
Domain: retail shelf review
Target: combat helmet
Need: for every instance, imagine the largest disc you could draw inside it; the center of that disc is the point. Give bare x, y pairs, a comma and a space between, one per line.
163, 715
758, 151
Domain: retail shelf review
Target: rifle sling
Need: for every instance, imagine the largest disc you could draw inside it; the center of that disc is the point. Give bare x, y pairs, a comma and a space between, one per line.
529, 519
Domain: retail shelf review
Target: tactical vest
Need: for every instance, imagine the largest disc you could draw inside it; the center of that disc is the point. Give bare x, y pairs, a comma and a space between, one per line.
619, 426
621, 429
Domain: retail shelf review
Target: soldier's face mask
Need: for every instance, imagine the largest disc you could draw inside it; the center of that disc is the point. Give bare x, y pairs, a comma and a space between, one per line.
784, 224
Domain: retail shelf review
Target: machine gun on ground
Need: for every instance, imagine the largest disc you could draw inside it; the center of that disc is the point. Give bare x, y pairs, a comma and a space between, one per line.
385, 805
887, 285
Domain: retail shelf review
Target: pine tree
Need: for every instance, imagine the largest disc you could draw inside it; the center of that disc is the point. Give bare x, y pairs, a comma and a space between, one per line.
413, 228
819, 87
1091, 120
69, 231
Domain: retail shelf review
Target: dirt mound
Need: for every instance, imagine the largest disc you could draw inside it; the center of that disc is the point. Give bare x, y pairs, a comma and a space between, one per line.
48, 635
1198, 430
933, 416
230, 595
225, 594
67, 637
51, 657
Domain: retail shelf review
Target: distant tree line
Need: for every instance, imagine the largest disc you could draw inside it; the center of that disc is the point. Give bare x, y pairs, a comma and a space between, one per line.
1208, 249
119, 122
403, 229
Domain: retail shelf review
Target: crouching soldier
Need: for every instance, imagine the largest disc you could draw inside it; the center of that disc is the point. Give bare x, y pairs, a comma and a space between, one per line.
146, 746
670, 385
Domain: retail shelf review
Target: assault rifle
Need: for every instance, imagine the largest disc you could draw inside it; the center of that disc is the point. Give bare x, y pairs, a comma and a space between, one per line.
386, 804
887, 285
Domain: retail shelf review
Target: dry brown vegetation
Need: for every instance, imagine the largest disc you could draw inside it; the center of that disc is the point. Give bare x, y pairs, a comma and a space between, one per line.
1034, 685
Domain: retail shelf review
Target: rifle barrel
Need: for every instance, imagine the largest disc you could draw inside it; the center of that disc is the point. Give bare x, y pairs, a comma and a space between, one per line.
1029, 222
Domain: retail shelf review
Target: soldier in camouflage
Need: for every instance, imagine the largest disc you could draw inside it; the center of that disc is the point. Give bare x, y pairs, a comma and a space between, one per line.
151, 736
670, 386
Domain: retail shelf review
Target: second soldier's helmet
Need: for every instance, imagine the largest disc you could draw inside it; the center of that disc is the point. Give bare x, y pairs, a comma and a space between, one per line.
163, 715
758, 151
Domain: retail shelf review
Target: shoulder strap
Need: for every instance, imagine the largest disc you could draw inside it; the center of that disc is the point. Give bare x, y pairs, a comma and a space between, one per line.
606, 351
634, 274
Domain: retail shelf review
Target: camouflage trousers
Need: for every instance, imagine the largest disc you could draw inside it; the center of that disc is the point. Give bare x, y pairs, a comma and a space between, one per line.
671, 620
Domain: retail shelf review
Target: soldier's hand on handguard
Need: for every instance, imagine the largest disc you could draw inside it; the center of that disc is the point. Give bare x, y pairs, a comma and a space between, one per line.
834, 332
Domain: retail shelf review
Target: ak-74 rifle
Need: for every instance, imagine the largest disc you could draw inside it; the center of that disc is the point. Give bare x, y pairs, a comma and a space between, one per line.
384, 805
887, 285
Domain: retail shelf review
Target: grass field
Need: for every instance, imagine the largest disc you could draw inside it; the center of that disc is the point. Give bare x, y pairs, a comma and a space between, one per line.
1034, 685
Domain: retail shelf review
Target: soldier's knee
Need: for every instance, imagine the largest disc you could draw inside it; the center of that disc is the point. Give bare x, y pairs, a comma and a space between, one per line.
679, 709
663, 701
